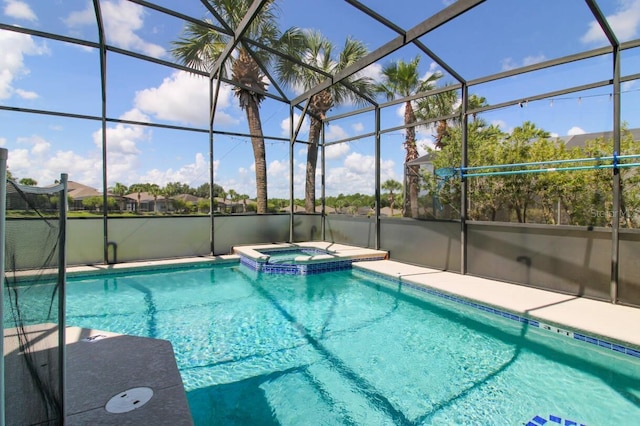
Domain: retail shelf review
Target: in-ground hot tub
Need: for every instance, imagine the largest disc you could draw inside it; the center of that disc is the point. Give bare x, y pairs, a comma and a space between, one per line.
304, 258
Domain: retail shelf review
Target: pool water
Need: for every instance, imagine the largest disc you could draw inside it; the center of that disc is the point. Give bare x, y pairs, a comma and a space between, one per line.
288, 256
341, 348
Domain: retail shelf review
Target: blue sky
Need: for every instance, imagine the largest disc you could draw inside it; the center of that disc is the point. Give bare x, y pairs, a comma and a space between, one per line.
496, 36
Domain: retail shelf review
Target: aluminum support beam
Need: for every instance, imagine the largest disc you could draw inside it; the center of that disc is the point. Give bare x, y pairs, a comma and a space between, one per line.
616, 182
213, 102
464, 199
103, 119
377, 179
4, 155
242, 28
435, 21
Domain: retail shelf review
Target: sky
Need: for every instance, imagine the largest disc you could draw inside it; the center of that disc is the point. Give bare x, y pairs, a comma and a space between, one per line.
44, 74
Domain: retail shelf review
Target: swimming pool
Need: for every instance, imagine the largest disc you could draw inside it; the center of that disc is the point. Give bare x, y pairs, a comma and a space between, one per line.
346, 348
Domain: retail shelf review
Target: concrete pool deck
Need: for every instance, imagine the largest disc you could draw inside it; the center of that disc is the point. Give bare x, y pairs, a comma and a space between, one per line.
600, 318
100, 365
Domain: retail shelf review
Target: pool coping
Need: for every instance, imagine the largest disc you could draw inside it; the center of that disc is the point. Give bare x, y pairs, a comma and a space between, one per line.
603, 324
327, 257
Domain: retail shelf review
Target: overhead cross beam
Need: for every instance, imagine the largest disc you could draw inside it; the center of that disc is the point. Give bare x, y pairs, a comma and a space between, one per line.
394, 27
242, 28
435, 21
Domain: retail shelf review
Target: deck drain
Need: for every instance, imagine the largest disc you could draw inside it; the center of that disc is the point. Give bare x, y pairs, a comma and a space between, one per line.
129, 400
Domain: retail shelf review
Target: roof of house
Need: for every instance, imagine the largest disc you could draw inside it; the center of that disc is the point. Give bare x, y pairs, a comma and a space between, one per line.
78, 191
580, 140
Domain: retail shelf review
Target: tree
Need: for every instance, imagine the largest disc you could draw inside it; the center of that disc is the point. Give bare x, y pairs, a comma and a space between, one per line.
27, 181
234, 197
204, 205
167, 192
521, 188
224, 195
486, 193
120, 190
201, 47
244, 198
155, 191
438, 106
139, 188
392, 185
401, 79
316, 51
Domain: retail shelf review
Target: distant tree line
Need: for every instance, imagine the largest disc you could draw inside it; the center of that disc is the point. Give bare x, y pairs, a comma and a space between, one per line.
578, 197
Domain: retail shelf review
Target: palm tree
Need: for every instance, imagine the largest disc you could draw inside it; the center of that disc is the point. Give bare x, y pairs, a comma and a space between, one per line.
155, 190
392, 185
441, 105
120, 190
223, 194
315, 50
401, 79
138, 188
244, 198
201, 47
234, 197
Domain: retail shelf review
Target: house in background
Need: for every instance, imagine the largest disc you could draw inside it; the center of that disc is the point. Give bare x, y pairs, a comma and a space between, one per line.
78, 192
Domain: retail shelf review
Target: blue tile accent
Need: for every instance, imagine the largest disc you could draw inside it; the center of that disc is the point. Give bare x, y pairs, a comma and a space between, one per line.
617, 348
301, 268
633, 352
591, 340
539, 420
604, 344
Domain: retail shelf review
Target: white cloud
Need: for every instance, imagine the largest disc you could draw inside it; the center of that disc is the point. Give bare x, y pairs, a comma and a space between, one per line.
628, 85
334, 132
357, 127
423, 144
121, 21
360, 163
24, 94
433, 68
357, 174
3, 141
192, 173
184, 97
373, 71
122, 147
38, 146
19, 10
575, 130
37, 161
81, 17
14, 47
624, 24
337, 151
277, 168
510, 63
285, 126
